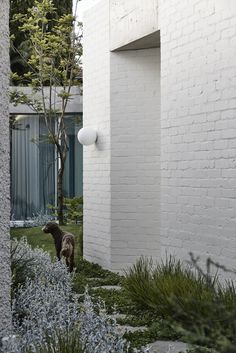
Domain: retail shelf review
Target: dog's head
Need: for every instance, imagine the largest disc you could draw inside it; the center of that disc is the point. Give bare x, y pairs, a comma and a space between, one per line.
50, 227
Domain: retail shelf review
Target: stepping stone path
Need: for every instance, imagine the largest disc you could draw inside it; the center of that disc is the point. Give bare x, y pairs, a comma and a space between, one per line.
108, 287
122, 329
156, 347
168, 347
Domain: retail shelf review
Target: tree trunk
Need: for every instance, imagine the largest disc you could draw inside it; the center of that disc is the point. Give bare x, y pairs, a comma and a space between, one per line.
5, 273
60, 200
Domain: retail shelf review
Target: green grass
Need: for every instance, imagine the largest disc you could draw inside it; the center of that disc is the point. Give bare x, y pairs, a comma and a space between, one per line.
37, 238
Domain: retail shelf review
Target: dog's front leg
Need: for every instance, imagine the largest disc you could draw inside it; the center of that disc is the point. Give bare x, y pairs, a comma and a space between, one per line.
59, 254
72, 264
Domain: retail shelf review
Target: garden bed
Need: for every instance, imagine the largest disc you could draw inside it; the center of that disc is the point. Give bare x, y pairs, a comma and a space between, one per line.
168, 302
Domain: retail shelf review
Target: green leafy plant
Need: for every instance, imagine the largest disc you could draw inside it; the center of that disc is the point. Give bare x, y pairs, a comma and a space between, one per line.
20, 50
72, 210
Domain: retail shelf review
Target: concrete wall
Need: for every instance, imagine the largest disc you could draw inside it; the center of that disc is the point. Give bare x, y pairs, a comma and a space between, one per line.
96, 88
5, 276
198, 128
135, 153
75, 103
132, 20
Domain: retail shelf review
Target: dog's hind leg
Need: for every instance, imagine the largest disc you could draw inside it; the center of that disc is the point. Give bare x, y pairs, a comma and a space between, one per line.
72, 264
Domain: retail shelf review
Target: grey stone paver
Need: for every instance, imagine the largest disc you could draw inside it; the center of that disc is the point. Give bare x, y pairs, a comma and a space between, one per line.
168, 347
156, 347
122, 329
119, 316
108, 287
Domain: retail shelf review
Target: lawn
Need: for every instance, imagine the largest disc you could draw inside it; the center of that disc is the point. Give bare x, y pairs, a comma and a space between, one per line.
36, 237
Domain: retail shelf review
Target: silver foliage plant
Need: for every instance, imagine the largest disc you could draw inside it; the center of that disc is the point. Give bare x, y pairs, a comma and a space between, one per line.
98, 332
38, 219
38, 264
45, 308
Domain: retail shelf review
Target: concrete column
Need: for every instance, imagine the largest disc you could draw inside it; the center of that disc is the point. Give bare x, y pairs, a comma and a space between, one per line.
5, 275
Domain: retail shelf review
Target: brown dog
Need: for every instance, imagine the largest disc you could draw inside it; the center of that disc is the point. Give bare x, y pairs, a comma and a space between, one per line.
64, 243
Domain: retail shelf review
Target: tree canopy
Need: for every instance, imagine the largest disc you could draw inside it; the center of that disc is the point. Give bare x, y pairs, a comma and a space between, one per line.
20, 49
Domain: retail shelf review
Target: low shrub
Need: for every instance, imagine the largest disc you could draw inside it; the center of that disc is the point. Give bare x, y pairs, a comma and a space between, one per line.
98, 330
46, 315
68, 342
28, 263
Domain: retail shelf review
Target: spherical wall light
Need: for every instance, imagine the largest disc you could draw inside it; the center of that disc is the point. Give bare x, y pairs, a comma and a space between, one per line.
87, 136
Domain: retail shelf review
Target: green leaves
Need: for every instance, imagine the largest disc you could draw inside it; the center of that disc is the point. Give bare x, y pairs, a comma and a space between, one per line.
55, 49
19, 97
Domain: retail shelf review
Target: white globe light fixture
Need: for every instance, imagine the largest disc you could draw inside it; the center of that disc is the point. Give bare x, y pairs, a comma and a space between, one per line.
87, 136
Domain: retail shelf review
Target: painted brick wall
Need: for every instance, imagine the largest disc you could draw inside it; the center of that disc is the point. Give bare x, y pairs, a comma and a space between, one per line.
96, 158
198, 128
5, 272
135, 154
121, 172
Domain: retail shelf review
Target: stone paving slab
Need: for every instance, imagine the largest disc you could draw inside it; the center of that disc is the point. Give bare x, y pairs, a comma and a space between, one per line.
108, 287
168, 347
122, 329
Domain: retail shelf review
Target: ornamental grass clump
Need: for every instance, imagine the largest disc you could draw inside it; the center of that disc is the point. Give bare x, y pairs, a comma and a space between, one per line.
197, 304
157, 287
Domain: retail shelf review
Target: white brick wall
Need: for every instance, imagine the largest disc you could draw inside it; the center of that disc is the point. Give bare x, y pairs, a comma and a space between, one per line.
135, 154
197, 134
121, 172
198, 128
96, 177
